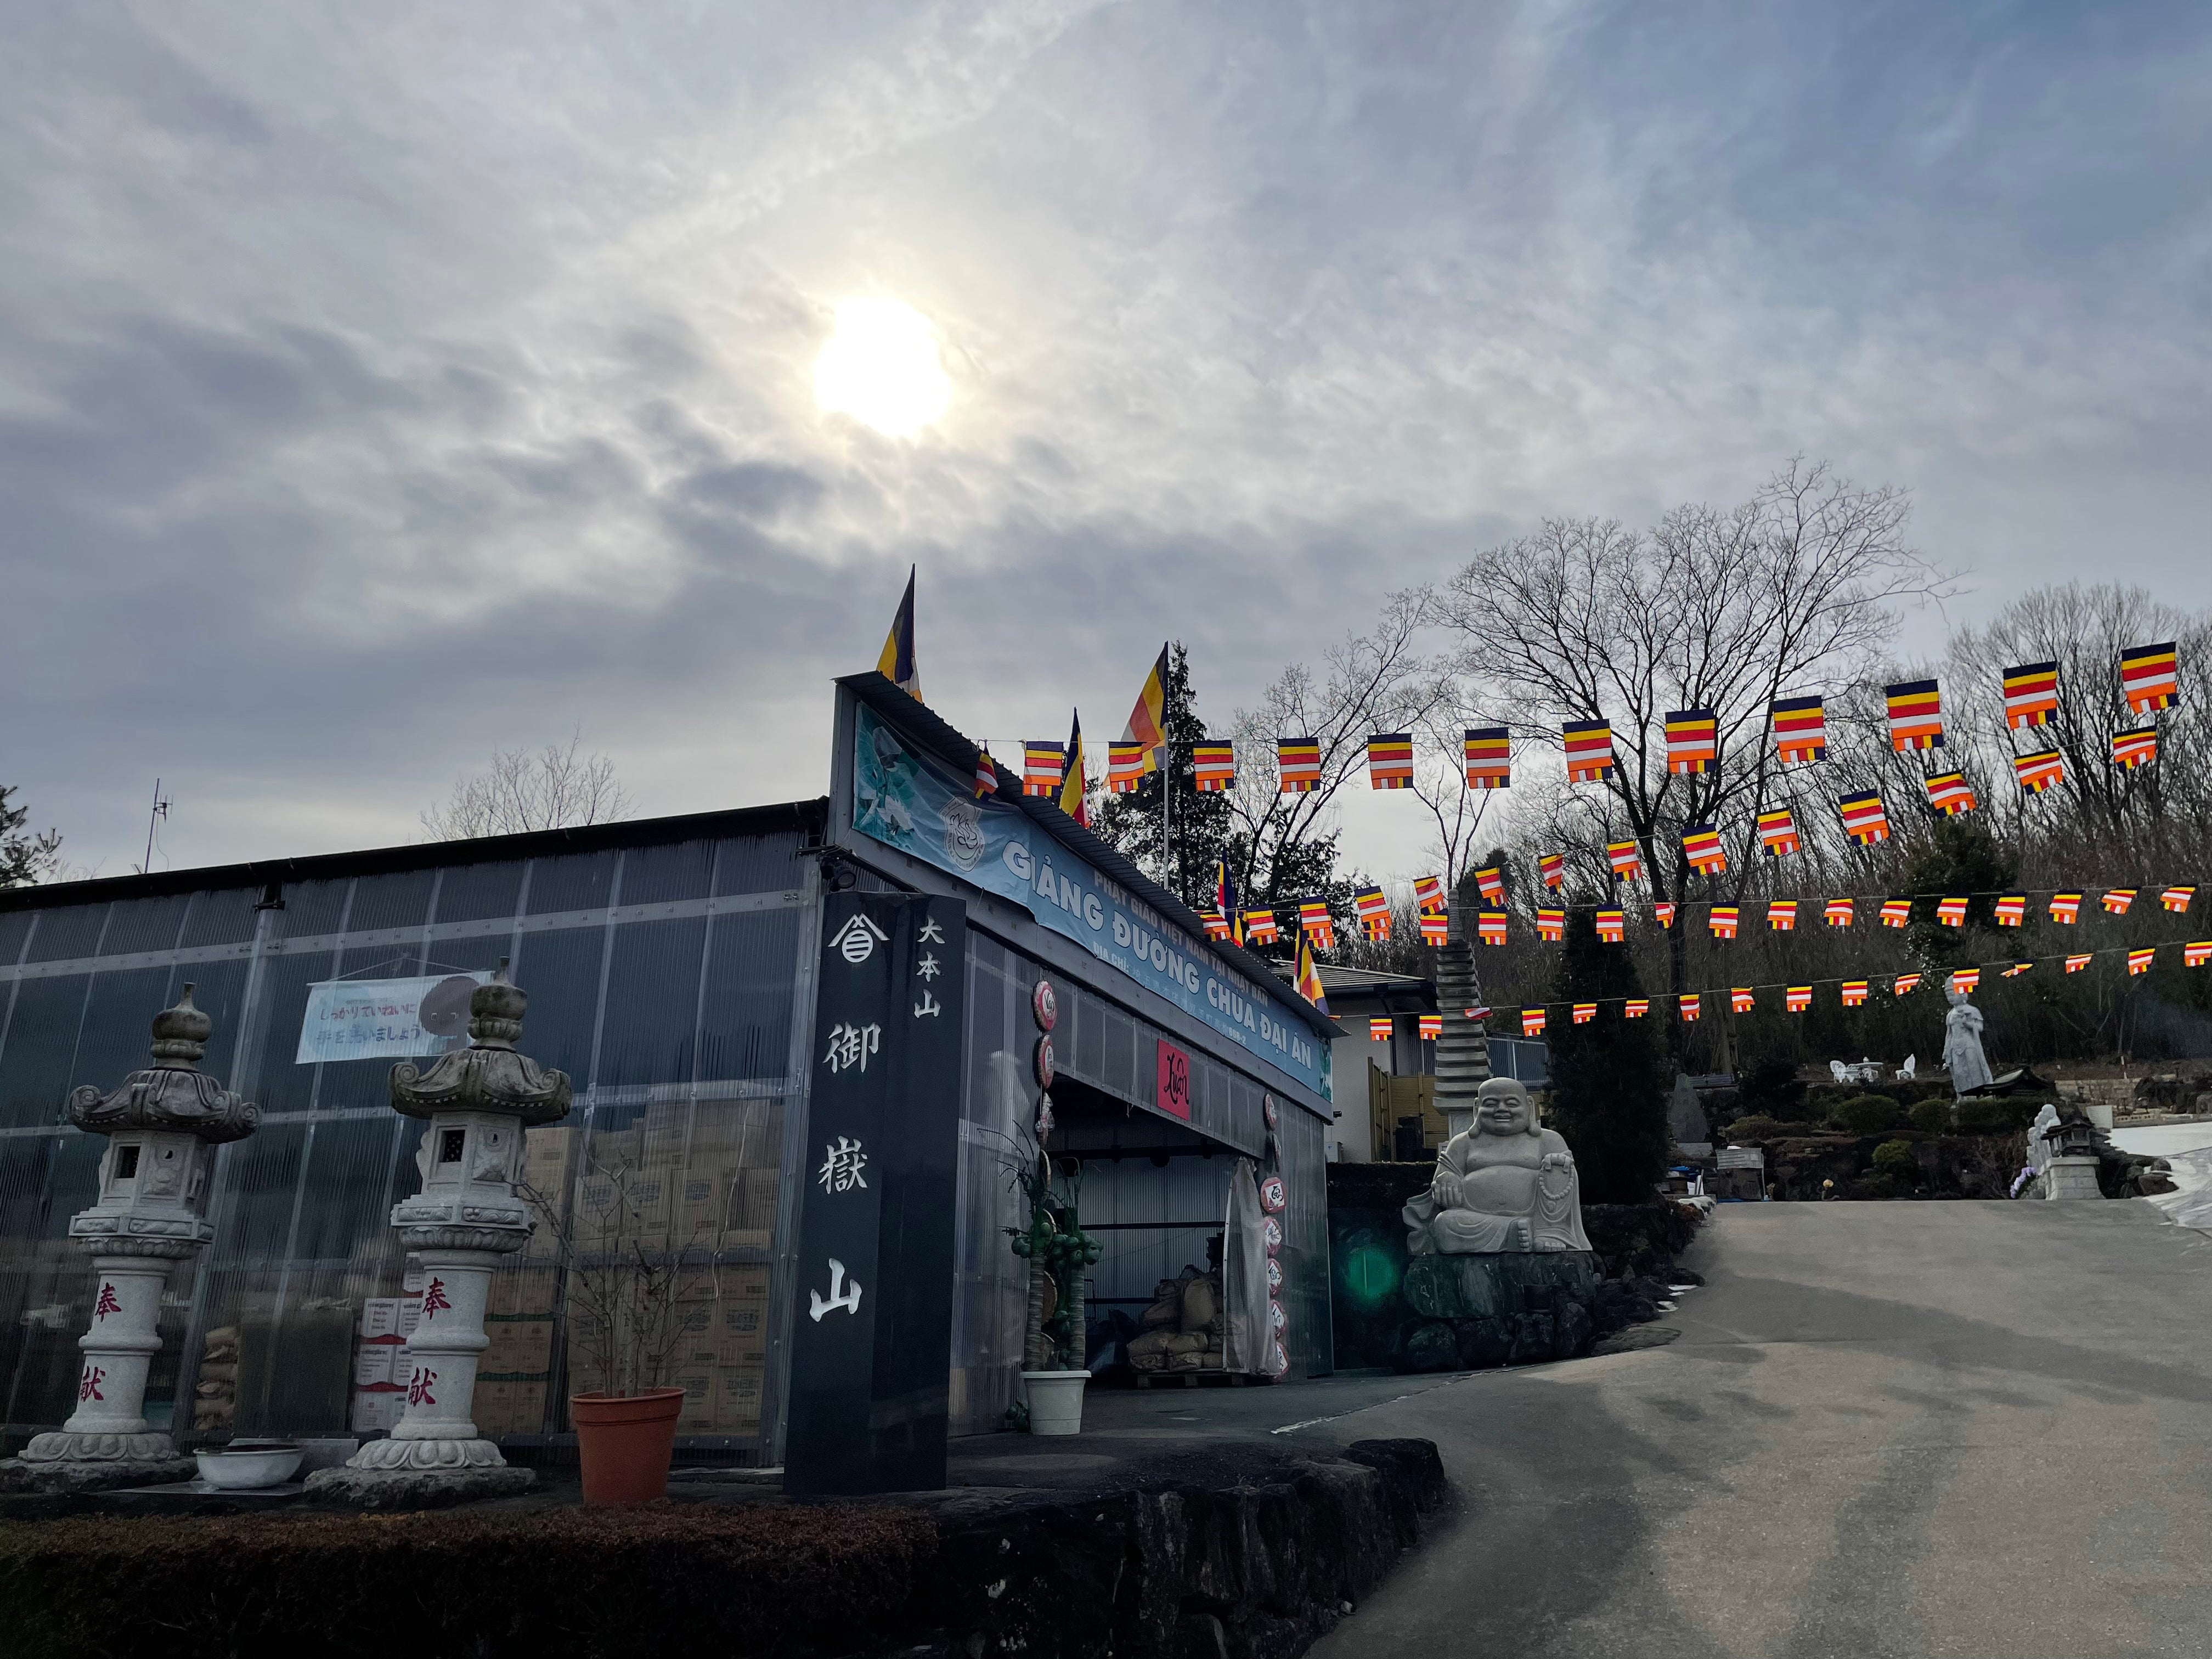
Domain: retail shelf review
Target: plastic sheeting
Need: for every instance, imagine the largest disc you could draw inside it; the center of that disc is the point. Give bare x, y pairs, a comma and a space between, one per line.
1244, 1275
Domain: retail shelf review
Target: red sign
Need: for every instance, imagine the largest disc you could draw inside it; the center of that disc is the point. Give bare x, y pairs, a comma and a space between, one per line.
1174, 1096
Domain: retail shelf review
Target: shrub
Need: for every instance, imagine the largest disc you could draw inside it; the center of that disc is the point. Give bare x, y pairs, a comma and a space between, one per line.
1896, 1158
1751, 1129
1772, 1089
1995, 1116
1868, 1115
1931, 1116
1876, 1188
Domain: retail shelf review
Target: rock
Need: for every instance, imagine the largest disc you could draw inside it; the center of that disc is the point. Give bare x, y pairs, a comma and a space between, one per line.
102, 1476
1532, 1340
1483, 1343
1642, 1310
416, 1489
1489, 1286
1431, 1345
1684, 1276
1574, 1329
1643, 1336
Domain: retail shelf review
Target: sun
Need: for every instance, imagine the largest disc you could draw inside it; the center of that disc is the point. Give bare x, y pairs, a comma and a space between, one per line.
881, 367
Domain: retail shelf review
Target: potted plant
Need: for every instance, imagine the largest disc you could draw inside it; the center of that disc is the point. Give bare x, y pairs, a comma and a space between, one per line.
624, 1283
1058, 1250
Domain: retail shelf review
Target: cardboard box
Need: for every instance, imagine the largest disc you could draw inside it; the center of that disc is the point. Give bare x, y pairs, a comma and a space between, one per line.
372, 1364
519, 1342
377, 1410
760, 1188
520, 1290
509, 1405
741, 1282
698, 1384
410, 1314
379, 1316
737, 1398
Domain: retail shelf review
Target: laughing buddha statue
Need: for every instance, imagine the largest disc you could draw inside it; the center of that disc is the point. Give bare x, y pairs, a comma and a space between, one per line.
1506, 1184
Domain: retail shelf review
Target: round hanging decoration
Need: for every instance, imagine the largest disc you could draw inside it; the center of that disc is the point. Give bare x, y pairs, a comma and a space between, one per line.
1277, 1317
1267, 1111
1273, 1195
1272, 1230
1278, 1361
1274, 1275
1045, 1073
1044, 1005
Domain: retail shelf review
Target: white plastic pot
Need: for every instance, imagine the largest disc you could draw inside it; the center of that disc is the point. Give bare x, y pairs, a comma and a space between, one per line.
244, 1468
1056, 1401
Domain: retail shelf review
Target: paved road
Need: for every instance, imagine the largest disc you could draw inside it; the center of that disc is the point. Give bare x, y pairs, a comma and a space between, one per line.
1909, 1429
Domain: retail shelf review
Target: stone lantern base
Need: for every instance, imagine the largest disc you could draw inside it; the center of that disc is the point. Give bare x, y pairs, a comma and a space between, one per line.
2071, 1177
63, 1462
418, 1488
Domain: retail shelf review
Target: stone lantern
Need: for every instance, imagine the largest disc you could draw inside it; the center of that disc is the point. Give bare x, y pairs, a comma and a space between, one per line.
163, 1127
476, 1101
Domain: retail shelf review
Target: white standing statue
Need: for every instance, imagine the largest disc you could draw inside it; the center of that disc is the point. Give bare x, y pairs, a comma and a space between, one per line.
1507, 1184
1962, 1045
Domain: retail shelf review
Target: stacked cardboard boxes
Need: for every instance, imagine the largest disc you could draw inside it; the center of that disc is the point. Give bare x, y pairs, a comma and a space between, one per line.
382, 1364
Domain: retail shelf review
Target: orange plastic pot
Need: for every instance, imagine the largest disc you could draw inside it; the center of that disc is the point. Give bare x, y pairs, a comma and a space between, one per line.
624, 1442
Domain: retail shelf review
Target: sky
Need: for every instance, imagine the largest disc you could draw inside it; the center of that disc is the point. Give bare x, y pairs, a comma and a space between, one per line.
380, 386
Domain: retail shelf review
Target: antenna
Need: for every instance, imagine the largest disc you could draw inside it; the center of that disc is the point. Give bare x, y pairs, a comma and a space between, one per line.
160, 810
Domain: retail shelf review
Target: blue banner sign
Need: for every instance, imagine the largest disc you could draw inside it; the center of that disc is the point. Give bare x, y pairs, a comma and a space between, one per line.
904, 798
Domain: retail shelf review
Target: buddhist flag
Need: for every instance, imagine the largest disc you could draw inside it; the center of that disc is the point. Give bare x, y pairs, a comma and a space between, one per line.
1799, 997
1855, 992
1864, 820
897, 663
1590, 750
1532, 1022
1042, 761
1217, 925
1694, 740
2039, 771
1839, 913
1612, 926
1432, 1027
2135, 748
1298, 763
1126, 766
1952, 911
1915, 715
1380, 1027
1636, 1007
1491, 884
2066, 907
1374, 913
1551, 924
1309, 976
2118, 900
1782, 915
1429, 892
1741, 1000
1905, 983
1627, 859
1225, 900
1723, 919
2176, 899
1490, 927
1896, 912
1391, 761
1553, 867
2031, 694
2017, 970
1777, 832
1147, 726
1585, 1012
2139, 961
2147, 675
2197, 953
1489, 758
987, 775
1662, 911
1315, 923
2075, 963
1688, 1004
1074, 787
1964, 980
1800, 729
1701, 845
1213, 767
1260, 927
1950, 794
1436, 927
2012, 909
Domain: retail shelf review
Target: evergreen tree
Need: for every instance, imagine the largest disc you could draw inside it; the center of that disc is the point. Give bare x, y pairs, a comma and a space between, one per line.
1958, 855
1610, 1085
1178, 847
24, 858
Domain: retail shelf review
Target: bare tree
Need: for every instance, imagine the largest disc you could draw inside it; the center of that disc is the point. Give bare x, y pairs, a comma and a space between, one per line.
554, 788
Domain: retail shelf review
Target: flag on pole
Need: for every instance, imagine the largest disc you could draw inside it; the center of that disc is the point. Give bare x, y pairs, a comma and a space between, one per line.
1590, 750
1964, 980
2176, 899
1532, 1022
1799, 997
1741, 1000
1428, 892
1905, 983
1896, 912
1701, 845
1489, 758
1260, 927
1297, 764
2017, 970
1432, 1027
2039, 771
1777, 832
1864, 820
1612, 926
1688, 1004
1952, 911
1782, 915
1552, 924
1839, 913
1042, 761
1374, 910
1585, 1012
1147, 729
2118, 900
1553, 867
2135, 748
1213, 767
2066, 907
1126, 766
1636, 1007
1855, 992
2139, 961
1390, 760
1075, 788
1694, 740
2012, 909
1224, 901
1491, 884
1490, 927
896, 662
2148, 676
1915, 715
1626, 858
1309, 976
1722, 919
1381, 1028
1662, 911
2075, 963
1436, 927
987, 775
1315, 923
1950, 794
2031, 694
1800, 729
2197, 953
1217, 925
